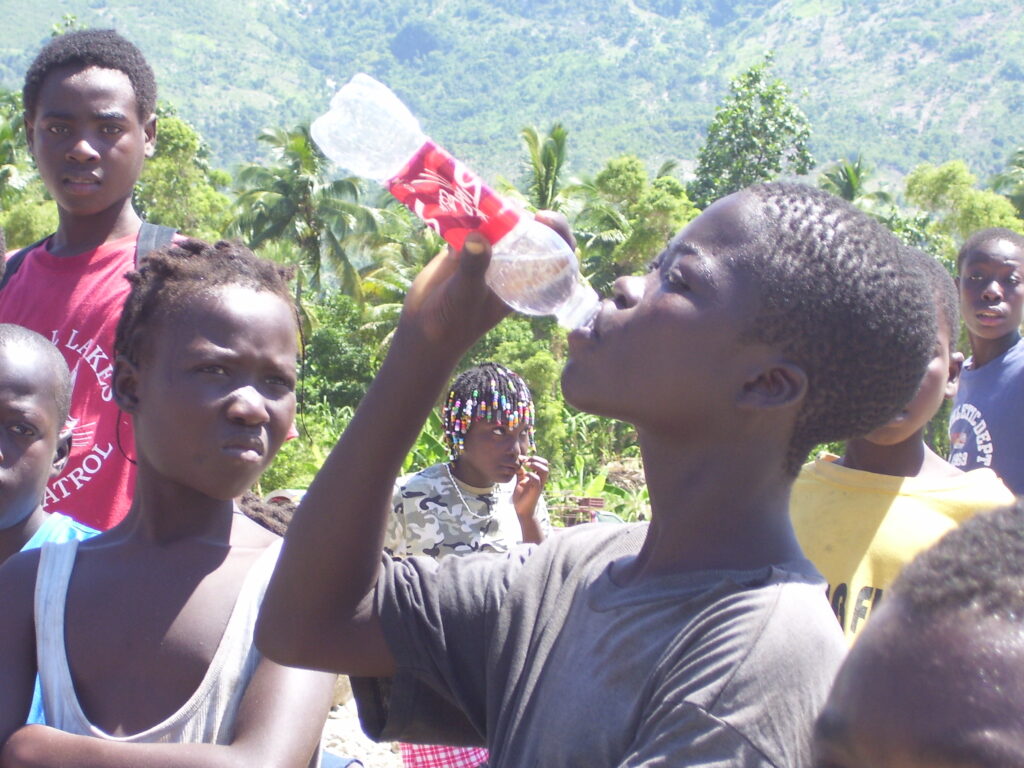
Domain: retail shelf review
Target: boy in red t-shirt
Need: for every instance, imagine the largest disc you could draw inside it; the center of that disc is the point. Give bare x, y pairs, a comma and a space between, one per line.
89, 118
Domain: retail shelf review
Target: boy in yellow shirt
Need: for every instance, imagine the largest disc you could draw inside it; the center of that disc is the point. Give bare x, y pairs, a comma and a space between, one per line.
862, 516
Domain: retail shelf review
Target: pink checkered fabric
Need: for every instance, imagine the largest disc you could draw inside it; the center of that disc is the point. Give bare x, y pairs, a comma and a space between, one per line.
431, 756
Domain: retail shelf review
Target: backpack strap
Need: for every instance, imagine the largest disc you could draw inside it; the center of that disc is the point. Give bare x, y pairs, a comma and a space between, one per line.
151, 237
14, 263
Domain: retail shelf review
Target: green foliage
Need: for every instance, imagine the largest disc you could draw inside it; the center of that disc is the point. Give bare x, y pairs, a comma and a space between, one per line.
298, 461
24, 213
177, 187
69, 23
14, 161
756, 134
32, 217
546, 160
916, 230
626, 219
294, 201
906, 81
429, 448
849, 179
1010, 182
957, 207
340, 356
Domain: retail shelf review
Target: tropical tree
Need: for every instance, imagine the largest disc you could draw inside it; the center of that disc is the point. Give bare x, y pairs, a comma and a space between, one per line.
756, 134
26, 211
546, 157
15, 169
957, 207
1011, 181
178, 187
292, 199
627, 218
848, 179
407, 245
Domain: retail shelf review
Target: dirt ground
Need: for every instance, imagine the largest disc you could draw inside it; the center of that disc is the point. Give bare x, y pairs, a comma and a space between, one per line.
343, 736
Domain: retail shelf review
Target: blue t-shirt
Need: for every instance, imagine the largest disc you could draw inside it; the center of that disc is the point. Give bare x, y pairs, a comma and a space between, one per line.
57, 528
986, 427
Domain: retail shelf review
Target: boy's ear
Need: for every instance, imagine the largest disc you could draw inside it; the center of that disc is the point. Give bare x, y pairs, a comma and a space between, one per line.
125, 385
778, 384
150, 131
956, 367
60, 458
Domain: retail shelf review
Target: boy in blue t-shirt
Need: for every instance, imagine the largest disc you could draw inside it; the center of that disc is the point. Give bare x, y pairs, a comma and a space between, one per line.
984, 427
35, 390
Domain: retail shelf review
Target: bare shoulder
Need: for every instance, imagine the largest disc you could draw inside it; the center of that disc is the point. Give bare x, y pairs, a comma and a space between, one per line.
17, 602
18, 578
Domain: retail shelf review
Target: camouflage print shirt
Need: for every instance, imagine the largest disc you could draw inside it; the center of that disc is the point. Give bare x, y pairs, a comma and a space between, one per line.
431, 518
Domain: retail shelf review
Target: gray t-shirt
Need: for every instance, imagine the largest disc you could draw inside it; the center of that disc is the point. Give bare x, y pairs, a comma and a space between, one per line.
543, 657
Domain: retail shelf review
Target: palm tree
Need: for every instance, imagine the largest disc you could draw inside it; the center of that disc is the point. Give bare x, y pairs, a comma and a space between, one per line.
409, 246
293, 200
1011, 181
546, 160
848, 179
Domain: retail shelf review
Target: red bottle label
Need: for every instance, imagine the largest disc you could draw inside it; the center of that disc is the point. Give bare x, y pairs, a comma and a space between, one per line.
450, 198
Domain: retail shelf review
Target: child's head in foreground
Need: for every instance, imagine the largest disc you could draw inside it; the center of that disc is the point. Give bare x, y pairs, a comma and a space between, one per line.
937, 678
943, 372
207, 347
488, 420
780, 298
990, 266
35, 394
89, 99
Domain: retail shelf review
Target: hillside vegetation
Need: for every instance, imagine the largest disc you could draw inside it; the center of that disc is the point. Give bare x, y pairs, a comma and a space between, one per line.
901, 82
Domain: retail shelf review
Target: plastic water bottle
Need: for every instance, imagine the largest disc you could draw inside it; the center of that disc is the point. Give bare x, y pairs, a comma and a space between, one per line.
369, 131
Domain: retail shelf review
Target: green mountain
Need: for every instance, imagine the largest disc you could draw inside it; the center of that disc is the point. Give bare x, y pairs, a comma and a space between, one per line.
901, 81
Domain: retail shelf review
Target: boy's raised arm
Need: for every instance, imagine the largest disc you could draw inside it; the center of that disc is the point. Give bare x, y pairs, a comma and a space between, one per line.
318, 609
279, 725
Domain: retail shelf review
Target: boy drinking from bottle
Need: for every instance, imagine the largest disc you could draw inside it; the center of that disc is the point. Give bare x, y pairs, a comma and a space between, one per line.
703, 637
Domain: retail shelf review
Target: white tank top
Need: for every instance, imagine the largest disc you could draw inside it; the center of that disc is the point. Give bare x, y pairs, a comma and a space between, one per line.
208, 716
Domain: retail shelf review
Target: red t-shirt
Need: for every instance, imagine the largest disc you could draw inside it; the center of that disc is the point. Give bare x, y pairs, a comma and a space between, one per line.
76, 301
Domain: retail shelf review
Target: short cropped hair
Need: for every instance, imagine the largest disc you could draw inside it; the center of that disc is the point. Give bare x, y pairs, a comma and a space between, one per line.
839, 300
486, 392
976, 567
84, 48
169, 278
16, 335
947, 298
985, 236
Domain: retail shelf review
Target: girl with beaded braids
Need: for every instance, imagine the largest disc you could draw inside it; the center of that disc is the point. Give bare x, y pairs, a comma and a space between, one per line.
489, 495
144, 635
485, 499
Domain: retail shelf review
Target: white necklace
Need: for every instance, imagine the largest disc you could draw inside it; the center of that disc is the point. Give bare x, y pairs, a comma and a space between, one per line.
448, 469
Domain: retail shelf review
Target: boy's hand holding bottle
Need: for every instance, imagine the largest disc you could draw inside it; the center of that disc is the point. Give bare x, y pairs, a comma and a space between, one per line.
369, 131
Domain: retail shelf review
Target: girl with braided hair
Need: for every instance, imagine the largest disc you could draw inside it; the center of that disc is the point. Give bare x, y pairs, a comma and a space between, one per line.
485, 499
489, 495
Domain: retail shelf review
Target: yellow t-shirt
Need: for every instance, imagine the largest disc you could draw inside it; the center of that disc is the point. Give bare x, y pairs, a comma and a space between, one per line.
860, 528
